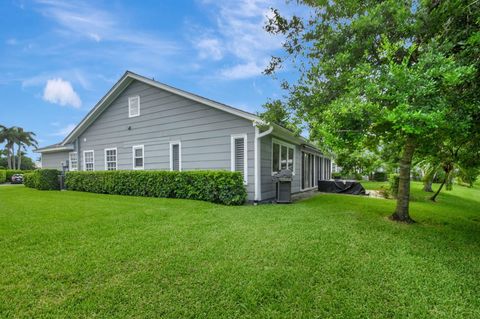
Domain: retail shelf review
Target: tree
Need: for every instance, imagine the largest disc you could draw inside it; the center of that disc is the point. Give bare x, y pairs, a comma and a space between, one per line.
16, 136
276, 112
24, 139
9, 137
381, 74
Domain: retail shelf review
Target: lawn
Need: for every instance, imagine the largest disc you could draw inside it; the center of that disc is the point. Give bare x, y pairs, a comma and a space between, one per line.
70, 254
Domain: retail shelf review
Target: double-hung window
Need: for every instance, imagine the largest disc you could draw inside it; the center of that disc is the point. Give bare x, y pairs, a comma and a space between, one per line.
283, 156
88, 161
138, 157
239, 155
175, 156
73, 161
133, 106
111, 159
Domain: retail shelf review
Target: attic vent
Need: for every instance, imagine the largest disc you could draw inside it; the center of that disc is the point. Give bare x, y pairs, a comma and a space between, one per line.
133, 106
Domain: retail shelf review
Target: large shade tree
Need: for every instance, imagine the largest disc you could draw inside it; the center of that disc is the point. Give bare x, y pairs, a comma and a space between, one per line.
382, 74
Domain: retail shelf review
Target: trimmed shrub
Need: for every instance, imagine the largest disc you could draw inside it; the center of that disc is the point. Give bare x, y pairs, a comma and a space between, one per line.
3, 176
212, 186
42, 179
29, 180
380, 176
47, 179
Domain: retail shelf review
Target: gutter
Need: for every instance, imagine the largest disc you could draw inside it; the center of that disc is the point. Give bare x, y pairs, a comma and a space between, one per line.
257, 167
54, 149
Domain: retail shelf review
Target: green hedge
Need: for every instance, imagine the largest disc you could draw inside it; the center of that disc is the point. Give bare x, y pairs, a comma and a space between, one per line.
3, 176
43, 179
29, 180
213, 186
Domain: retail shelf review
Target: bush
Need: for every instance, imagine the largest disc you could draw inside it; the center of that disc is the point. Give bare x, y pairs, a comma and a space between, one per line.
29, 180
394, 180
380, 176
212, 186
337, 175
42, 179
3, 176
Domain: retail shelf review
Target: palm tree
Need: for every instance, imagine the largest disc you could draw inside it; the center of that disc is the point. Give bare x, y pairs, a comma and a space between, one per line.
24, 139
8, 136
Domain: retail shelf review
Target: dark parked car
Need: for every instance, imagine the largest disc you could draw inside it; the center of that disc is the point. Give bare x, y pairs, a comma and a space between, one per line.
17, 179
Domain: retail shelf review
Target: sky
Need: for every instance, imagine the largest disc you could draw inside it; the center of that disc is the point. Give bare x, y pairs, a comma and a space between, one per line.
58, 58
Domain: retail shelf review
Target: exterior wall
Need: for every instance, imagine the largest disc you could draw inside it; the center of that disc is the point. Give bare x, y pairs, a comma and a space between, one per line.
54, 160
204, 132
268, 186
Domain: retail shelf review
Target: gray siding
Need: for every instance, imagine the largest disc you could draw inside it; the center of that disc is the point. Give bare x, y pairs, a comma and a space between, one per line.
54, 160
268, 186
204, 132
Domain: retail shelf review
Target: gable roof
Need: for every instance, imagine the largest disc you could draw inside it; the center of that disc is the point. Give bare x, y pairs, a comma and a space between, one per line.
127, 78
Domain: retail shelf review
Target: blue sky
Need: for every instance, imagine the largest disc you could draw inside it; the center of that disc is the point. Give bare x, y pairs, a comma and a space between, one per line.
57, 59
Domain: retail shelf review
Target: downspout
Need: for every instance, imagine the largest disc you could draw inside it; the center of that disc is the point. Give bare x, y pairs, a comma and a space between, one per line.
257, 167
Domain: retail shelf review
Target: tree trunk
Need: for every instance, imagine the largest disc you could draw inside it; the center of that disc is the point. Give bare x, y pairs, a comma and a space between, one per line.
9, 157
434, 197
401, 211
14, 162
19, 156
447, 168
427, 184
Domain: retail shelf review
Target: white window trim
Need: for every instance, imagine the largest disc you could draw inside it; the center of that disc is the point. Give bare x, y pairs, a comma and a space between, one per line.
116, 157
70, 161
288, 145
233, 137
179, 143
130, 109
93, 157
133, 156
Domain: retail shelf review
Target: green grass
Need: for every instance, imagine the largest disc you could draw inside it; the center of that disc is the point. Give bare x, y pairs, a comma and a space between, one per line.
70, 254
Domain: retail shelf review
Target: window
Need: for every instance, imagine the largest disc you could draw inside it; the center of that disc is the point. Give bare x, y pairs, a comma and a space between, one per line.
111, 159
133, 106
73, 161
239, 155
88, 161
283, 156
276, 157
175, 156
137, 157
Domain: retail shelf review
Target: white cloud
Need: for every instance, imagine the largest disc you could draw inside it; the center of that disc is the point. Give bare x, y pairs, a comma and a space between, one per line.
11, 41
61, 92
242, 71
239, 33
64, 131
209, 48
82, 19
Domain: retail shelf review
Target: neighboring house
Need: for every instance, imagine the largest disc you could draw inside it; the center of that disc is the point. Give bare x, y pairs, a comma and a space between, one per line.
143, 124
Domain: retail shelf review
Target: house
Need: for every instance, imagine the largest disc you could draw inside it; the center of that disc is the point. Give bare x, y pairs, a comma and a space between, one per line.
142, 124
